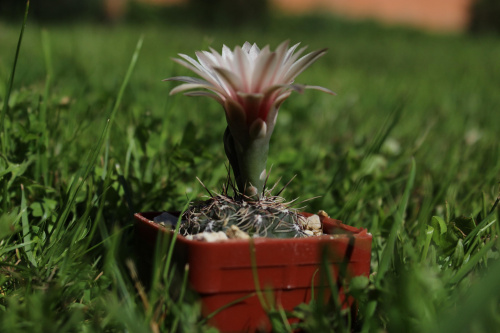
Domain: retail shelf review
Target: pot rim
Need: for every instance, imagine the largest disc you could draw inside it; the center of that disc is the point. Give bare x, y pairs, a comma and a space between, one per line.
328, 222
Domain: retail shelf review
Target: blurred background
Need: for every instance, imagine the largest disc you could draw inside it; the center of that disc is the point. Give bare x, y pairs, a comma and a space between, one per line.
441, 16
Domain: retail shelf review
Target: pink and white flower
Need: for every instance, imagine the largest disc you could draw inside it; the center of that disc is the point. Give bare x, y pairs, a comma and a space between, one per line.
250, 83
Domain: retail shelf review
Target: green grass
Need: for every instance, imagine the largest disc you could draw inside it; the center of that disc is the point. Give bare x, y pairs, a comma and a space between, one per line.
408, 149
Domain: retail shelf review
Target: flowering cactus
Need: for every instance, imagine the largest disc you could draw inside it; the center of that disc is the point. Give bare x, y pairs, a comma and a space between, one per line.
250, 84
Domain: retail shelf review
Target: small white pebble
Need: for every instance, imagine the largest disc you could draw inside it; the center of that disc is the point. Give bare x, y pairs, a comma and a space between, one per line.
313, 222
236, 233
209, 236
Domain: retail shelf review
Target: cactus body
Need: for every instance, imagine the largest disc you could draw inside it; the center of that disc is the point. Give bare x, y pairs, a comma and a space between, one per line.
268, 217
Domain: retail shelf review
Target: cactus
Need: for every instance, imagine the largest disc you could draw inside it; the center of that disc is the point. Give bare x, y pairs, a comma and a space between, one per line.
250, 84
268, 217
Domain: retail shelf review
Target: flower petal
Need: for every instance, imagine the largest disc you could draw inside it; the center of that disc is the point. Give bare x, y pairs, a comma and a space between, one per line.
285, 64
265, 65
212, 57
246, 47
290, 51
251, 103
194, 69
300, 65
272, 89
281, 51
188, 86
242, 68
206, 94
194, 80
205, 62
273, 110
254, 52
187, 79
227, 54
236, 119
192, 62
290, 58
217, 56
233, 81
323, 89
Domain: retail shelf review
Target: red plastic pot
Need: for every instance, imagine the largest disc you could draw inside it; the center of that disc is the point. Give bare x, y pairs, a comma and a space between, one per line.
221, 272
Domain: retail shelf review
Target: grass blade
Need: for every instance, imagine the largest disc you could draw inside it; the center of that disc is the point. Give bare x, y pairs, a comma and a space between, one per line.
388, 253
130, 70
26, 229
3, 135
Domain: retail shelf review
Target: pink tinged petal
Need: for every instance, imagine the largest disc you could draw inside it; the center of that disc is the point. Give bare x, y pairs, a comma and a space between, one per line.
300, 88
297, 87
219, 60
205, 61
254, 52
281, 98
281, 51
287, 64
273, 110
202, 84
272, 89
227, 54
258, 129
253, 96
263, 53
236, 119
192, 62
193, 80
212, 57
251, 104
292, 57
187, 79
188, 86
291, 50
323, 89
284, 66
195, 70
235, 109
233, 82
246, 47
263, 67
206, 94
242, 68
208, 65
274, 73
301, 64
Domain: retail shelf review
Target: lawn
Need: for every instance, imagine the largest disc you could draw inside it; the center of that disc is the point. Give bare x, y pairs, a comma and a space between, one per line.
408, 149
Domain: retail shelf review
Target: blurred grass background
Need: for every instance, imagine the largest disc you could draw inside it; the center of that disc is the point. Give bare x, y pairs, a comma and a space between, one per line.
402, 96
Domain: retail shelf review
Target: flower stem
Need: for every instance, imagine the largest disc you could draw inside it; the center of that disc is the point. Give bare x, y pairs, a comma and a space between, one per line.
249, 163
